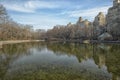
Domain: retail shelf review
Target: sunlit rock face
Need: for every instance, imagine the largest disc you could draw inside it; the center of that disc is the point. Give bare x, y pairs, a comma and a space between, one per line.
99, 24
113, 19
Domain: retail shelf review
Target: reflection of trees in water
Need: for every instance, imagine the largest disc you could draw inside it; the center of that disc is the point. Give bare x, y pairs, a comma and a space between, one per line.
10, 52
103, 54
108, 55
113, 61
81, 51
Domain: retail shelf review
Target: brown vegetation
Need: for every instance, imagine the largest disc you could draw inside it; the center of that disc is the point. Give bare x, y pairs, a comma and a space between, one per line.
11, 30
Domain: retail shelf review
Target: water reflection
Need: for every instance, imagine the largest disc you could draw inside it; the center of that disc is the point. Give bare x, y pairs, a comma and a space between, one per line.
60, 61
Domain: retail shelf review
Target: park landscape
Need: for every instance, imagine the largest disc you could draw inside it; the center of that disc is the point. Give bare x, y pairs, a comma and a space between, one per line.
83, 50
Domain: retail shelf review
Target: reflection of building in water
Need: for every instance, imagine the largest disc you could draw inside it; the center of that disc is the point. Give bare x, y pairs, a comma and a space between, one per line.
109, 57
114, 77
99, 56
104, 47
101, 61
0, 45
113, 61
118, 78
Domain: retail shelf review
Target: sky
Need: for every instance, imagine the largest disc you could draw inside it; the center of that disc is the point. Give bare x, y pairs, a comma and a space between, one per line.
45, 14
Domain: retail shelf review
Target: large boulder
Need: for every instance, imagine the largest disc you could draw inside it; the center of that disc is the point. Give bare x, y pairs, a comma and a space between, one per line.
105, 36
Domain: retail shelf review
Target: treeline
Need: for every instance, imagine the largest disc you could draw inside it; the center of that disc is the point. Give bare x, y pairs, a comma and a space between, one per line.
11, 30
82, 30
86, 30
71, 31
102, 28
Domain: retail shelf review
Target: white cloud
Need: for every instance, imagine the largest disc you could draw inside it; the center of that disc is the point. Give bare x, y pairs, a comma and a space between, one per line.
19, 8
87, 13
41, 4
31, 6
45, 20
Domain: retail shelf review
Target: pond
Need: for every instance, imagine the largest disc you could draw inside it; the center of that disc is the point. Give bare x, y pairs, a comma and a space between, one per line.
59, 61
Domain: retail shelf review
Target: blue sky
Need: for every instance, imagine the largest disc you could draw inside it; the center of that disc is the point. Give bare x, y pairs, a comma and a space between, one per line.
44, 14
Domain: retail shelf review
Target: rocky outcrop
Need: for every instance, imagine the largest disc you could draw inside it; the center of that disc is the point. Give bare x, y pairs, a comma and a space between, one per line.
113, 19
105, 36
99, 24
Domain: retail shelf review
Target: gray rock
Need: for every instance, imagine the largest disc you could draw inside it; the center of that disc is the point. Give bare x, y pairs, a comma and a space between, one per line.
105, 36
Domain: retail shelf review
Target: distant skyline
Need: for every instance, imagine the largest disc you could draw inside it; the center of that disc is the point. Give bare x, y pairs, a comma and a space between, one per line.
44, 14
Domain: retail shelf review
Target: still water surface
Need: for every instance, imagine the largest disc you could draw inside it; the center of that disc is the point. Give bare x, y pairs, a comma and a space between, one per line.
60, 61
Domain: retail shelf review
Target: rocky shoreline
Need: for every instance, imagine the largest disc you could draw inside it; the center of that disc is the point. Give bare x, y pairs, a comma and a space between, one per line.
83, 41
